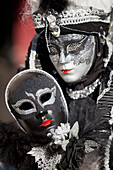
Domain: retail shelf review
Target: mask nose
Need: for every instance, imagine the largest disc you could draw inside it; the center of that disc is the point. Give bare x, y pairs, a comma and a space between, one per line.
62, 58
43, 113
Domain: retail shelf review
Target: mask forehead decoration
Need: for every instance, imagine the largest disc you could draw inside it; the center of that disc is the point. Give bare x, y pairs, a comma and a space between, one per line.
35, 100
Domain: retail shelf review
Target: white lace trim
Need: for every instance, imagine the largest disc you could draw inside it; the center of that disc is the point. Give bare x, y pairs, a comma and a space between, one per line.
34, 62
76, 16
106, 89
90, 145
44, 161
111, 120
110, 50
107, 149
85, 92
107, 154
32, 59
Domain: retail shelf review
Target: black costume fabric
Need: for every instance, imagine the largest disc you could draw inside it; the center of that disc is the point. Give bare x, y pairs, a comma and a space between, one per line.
15, 143
14, 146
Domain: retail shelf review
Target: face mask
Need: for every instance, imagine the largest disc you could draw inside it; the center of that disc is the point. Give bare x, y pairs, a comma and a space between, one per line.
72, 55
36, 101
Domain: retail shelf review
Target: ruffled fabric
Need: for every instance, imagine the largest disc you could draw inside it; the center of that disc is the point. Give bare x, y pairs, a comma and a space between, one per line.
74, 155
93, 126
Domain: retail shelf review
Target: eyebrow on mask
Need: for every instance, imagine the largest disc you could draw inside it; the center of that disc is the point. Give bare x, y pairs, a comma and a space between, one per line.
30, 95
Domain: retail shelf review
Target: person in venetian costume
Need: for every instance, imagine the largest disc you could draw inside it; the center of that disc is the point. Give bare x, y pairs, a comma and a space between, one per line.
47, 138
73, 42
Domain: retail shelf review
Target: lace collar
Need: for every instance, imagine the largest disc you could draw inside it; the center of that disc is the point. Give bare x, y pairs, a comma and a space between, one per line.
84, 92
44, 160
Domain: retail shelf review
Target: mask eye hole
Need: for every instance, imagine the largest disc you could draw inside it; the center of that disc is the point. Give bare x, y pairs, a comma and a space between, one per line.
53, 50
45, 97
26, 106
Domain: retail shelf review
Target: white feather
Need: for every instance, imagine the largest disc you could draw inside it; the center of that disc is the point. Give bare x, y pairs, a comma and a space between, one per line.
99, 4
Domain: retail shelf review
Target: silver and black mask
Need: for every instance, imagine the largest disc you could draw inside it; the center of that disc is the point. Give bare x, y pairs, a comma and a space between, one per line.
36, 101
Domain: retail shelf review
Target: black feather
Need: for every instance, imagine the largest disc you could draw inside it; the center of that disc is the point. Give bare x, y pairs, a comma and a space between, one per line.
57, 5
14, 145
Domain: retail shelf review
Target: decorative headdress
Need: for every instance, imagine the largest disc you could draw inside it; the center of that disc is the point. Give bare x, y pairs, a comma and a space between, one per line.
57, 17
67, 16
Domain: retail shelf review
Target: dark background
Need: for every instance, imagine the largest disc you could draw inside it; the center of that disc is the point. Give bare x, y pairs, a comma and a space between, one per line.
9, 15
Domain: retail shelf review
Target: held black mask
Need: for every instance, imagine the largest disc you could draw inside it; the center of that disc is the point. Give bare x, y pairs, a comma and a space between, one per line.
36, 101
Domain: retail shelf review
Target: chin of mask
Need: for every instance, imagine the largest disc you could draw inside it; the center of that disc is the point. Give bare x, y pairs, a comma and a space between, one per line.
36, 101
72, 55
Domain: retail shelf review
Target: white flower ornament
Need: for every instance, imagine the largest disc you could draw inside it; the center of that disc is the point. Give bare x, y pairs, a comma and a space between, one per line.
63, 134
